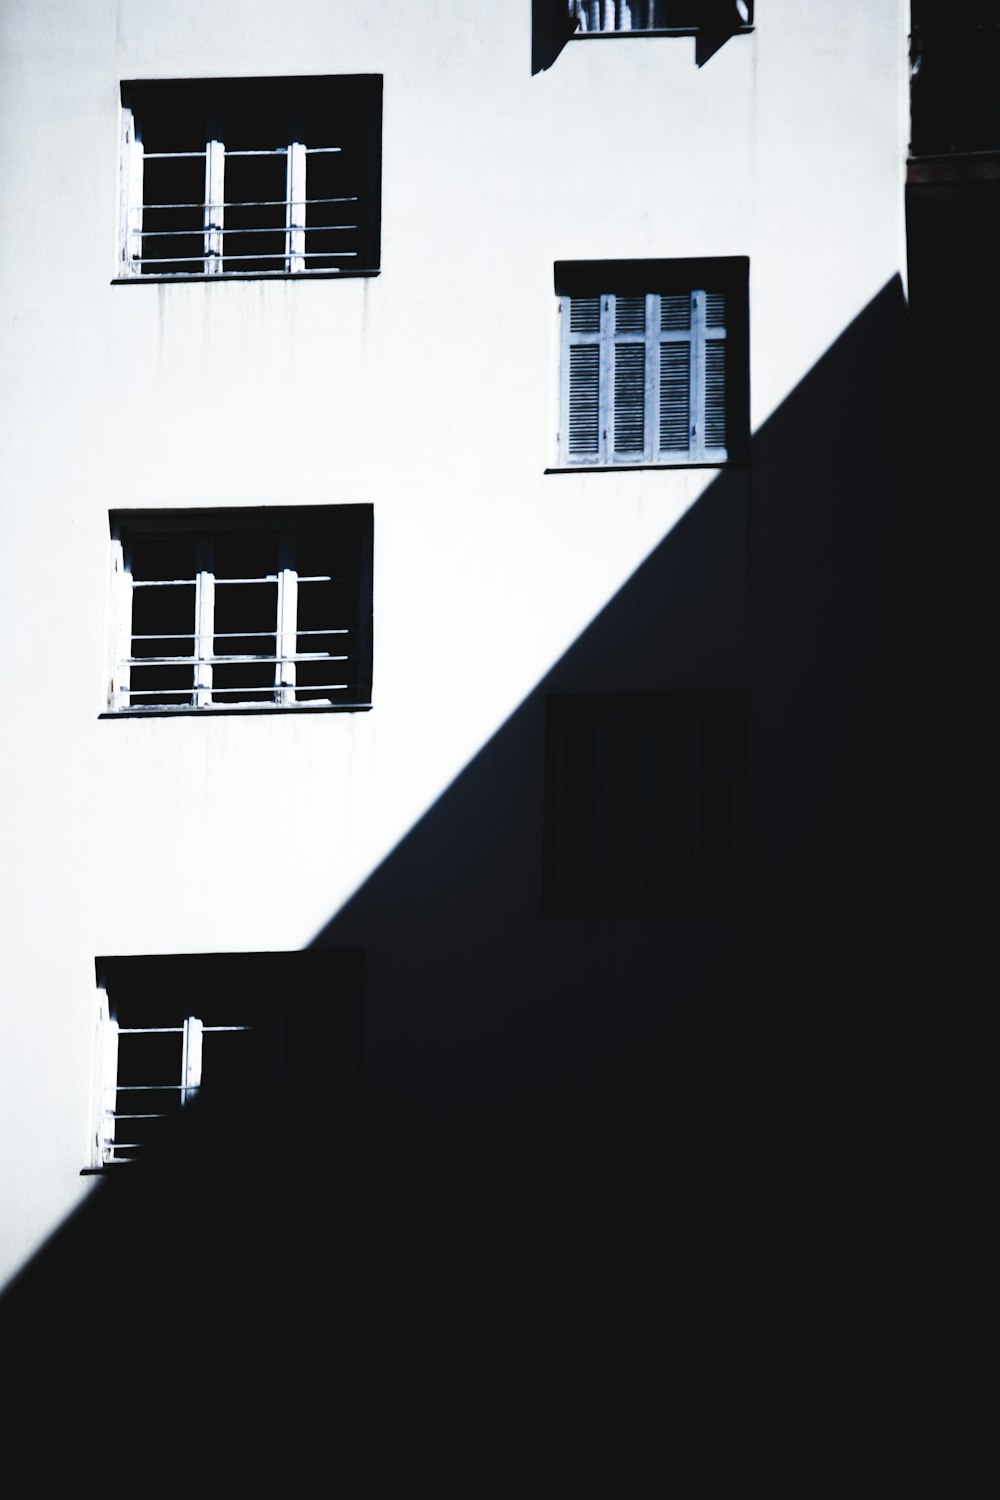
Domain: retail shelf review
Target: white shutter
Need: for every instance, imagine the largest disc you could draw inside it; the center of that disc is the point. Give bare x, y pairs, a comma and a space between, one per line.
675, 374
581, 408
714, 424
629, 401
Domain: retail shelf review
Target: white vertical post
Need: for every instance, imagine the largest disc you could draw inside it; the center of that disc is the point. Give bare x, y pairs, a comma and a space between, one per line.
204, 608
697, 374
295, 210
606, 383
288, 609
652, 390
191, 1058
121, 672
214, 193
109, 1084
132, 249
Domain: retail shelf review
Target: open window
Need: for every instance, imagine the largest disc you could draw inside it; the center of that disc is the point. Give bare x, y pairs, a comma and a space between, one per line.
643, 804
653, 366
210, 1056
251, 177
254, 610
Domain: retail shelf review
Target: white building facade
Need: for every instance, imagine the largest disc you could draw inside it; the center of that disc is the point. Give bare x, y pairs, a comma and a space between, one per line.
568, 551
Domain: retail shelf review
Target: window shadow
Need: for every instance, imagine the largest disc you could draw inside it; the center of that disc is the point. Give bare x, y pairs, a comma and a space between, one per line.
712, 23
551, 29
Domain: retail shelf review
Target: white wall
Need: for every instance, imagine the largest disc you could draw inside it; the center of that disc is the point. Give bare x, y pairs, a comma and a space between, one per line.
427, 391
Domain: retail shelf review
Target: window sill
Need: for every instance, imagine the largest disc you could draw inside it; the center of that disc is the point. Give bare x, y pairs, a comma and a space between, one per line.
695, 463
183, 279
641, 32
241, 712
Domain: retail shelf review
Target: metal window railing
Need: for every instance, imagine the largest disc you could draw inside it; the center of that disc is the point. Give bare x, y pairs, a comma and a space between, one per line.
591, 17
133, 1112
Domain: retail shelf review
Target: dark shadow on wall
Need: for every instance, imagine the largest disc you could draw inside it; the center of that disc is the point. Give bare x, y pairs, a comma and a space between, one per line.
591, 1143
551, 29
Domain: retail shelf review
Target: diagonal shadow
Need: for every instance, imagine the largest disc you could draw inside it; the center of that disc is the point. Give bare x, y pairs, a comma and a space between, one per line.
531, 1080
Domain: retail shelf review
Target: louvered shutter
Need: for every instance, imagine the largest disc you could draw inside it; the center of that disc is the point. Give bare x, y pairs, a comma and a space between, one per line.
675, 374
582, 394
629, 402
715, 426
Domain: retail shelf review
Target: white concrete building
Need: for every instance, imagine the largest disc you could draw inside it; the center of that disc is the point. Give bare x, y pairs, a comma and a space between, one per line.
582, 847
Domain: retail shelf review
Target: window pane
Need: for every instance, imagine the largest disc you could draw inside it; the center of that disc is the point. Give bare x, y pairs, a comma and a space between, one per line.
237, 555
624, 745
576, 872
163, 626
256, 195
173, 218
715, 394
246, 617
584, 398
327, 618
624, 841
675, 392
334, 215
716, 838
585, 315
630, 314
578, 745
630, 398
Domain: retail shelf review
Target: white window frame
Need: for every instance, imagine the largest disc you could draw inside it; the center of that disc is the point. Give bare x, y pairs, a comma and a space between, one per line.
205, 696
295, 257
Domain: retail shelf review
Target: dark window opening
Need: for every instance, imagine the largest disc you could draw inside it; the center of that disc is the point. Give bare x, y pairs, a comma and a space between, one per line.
252, 177
643, 803
238, 609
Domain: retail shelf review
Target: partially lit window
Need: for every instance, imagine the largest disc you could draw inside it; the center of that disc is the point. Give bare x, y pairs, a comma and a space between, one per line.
240, 1054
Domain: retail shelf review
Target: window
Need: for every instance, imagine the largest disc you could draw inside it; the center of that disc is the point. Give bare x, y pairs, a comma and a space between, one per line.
643, 801
251, 177
264, 1045
253, 610
597, 17
653, 361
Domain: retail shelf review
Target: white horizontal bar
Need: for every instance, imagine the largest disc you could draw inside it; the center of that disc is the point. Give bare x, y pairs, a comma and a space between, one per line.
180, 260
163, 234
153, 1088
246, 203
232, 660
